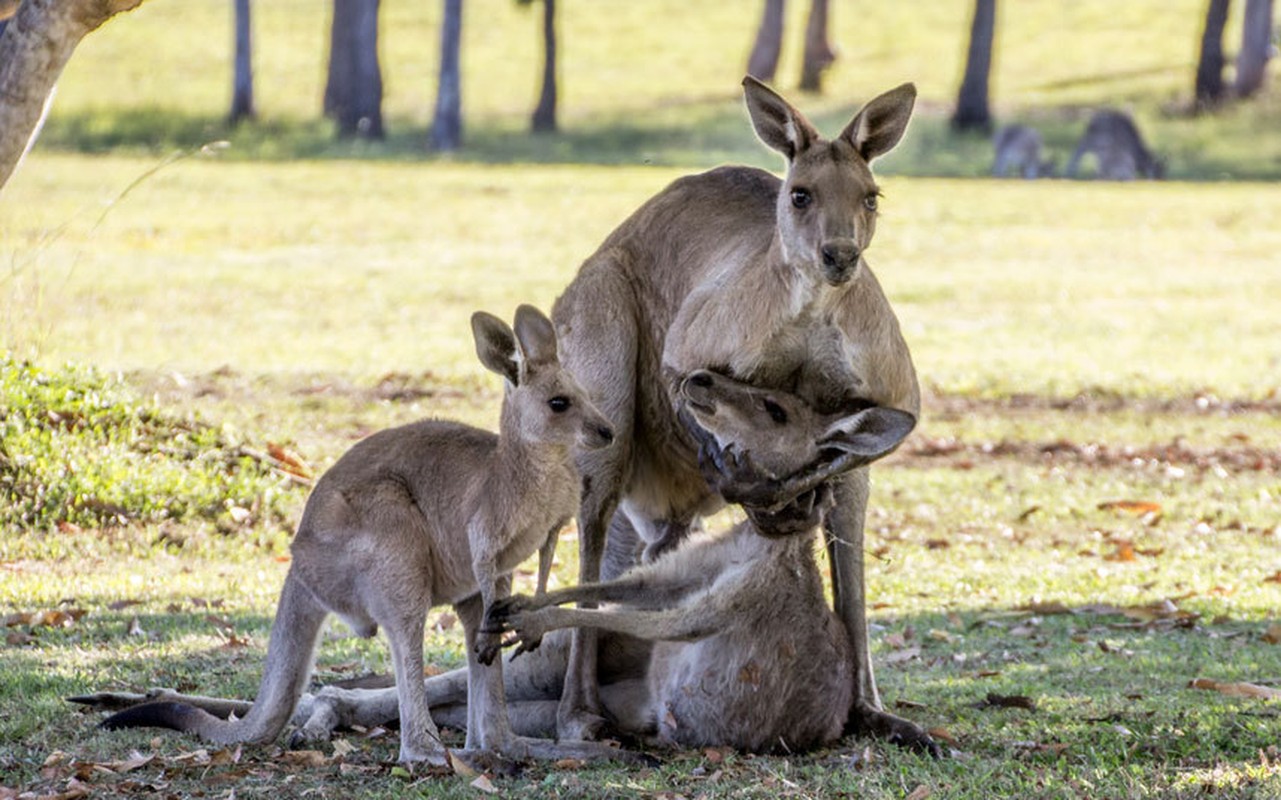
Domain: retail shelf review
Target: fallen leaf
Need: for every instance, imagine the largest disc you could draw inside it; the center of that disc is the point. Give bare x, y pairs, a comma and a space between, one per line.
942, 735
861, 759
713, 755
343, 748
484, 784
1124, 552
304, 758
906, 654
122, 604
941, 635
290, 461
994, 700
1028, 512
919, 793
1051, 607
1136, 507
461, 768
1273, 634
569, 763
1237, 689
937, 544
1274, 577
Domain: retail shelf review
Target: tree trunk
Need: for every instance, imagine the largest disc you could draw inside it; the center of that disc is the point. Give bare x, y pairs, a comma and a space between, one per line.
819, 54
763, 61
34, 48
242, 89
972, 111
544, 119
447, 125
1256, 47
354, 90
1209, 89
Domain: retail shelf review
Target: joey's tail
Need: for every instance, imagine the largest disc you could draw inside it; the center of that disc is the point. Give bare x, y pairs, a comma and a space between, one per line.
289, 656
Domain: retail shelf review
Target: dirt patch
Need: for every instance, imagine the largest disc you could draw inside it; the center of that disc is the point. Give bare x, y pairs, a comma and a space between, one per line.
1100, 401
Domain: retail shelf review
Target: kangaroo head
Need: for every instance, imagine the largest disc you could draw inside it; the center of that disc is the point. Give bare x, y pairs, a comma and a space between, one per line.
780, 431
542, 403
827, 207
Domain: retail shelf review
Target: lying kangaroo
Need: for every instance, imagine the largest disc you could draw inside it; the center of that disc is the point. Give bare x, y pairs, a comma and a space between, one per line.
749, 655
1018, 152
1115, 141
764, 280
428, 513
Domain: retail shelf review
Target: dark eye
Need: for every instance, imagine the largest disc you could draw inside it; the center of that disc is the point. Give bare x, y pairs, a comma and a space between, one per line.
776, 412
869, 202
801, 198
559, 404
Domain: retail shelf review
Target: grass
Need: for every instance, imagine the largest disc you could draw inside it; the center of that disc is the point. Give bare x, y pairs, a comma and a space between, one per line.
1080, 345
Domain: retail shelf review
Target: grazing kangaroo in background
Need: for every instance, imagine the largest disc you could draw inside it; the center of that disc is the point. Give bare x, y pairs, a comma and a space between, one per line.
762, 279
412, 517
1018, 152
748, 654
1115, 141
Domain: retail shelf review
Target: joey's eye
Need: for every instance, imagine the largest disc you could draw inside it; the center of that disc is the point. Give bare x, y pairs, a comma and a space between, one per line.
869, 202
559, 404
776, 412
801, 198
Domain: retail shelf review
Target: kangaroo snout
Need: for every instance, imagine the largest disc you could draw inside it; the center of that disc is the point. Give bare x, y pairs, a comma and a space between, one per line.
596, 434
840, 260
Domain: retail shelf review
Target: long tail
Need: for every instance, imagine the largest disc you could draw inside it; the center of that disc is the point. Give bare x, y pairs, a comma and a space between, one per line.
289, 658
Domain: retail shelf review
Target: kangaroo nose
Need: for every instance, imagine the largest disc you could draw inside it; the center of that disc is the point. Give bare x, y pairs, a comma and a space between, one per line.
839, 254
605, 433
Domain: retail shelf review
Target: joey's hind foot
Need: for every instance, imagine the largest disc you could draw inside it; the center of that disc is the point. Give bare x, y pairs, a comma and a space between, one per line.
867, 721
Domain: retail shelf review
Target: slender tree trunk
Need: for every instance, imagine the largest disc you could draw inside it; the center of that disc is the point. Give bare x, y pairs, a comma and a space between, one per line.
354, 90
819, 54
763, 61
544, 119
242, 90
447, 125
34, 48
1209, 89
1256, 47
972, 112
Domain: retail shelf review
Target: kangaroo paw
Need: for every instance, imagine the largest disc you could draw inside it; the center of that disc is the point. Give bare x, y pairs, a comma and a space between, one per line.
868, 721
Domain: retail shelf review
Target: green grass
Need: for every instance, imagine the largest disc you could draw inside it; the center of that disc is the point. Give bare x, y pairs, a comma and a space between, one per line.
1080, 344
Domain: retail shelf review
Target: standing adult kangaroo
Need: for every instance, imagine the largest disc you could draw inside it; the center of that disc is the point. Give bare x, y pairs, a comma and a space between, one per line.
739, 272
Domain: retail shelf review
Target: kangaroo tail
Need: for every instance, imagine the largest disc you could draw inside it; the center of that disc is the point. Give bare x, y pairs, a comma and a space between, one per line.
294, 633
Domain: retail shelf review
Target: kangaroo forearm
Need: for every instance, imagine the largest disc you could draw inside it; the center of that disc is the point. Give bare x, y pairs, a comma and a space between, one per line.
678, 624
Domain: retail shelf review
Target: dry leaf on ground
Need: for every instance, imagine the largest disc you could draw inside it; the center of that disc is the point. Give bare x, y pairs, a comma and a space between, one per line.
1235, 689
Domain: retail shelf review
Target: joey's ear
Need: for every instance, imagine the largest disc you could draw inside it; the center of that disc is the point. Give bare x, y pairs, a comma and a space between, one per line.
535, 336
880, 125
777, 124
869, 434
496, 345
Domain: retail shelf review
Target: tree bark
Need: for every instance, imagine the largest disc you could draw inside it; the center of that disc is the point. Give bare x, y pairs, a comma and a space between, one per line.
1209, 89
242, 88
447, 124
972, 112
762, 63
819, 54
354, 89
34, 48
1256, 47
544, 119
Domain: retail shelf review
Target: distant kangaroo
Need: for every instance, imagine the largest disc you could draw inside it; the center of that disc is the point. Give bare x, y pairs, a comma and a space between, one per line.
762, 279
748, 654
1115, 141
411, 517
1018, 152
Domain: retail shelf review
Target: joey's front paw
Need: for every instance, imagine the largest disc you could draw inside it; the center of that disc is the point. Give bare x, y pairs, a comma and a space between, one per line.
488, 646
499, 615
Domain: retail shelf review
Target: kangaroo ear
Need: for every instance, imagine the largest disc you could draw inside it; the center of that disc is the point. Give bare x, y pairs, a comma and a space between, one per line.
777, 124
869, 434
535, 336
496, 345
878, 127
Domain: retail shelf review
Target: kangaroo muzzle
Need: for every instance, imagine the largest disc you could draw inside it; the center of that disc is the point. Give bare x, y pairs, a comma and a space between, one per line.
840, 259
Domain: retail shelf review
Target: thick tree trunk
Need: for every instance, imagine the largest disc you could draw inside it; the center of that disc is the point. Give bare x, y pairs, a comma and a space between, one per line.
34, 48
447, 124
1209, 89
544, 119
763, 61
242, 88
354, 90
1256, 47
972, 112
819, 54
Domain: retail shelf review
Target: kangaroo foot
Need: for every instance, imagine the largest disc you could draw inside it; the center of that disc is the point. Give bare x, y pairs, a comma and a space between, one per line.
580, 725
867, 721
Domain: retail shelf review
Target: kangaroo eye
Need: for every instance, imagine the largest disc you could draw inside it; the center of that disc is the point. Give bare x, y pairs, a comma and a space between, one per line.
776, 412
801, 198
869, 202
559, 404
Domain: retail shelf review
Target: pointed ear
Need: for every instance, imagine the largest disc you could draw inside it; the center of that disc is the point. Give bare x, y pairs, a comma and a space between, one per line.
880, 125
496, 345
535, 336
777, 124
869, 434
